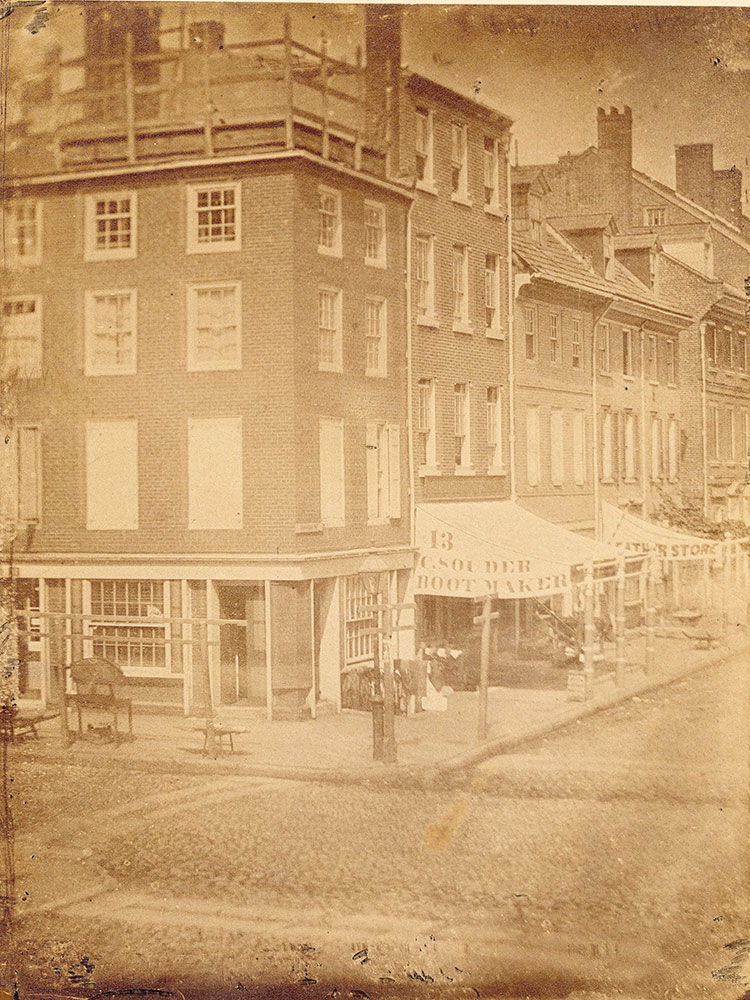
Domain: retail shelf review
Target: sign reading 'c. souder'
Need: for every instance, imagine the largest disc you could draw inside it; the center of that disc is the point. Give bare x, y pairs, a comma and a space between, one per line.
454, 564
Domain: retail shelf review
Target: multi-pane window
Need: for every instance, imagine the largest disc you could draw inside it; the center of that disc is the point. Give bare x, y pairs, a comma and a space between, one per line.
214, 218
426, 452
27, 459
602, 347
631, 444
673, 450
576, 346
494, 428
741, 350
652, 357
135, 647
459, 155
554, 337
329, 329
533, 447
557, 447
110, 225
492, 293
111, 332
627, 352
732, 429
21, 341
375, 233
423, 146
713, 431
579, 447
656, 216
360, 637
656, 446
214, 336
746, 421
530, 331
671, 362
490, 163
383, 471
712, 352
24, 231
375, 336
424, 276
332, 504
607, 469
461, 426
329, 221
460, 286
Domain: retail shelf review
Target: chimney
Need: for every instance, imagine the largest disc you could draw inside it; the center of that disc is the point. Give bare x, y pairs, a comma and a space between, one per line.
694, 173
615, 144
383, 75
728, 195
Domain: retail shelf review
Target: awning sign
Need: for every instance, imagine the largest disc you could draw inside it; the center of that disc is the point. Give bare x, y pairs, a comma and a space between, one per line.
633, 534
477, 551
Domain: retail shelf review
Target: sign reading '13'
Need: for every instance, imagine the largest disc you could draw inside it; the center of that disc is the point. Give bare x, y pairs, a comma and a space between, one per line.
441, 571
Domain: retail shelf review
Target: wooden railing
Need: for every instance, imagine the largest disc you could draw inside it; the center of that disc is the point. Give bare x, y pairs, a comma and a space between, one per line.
196, 101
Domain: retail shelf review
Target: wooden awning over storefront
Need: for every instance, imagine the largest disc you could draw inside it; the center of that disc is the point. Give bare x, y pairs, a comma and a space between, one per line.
495, 547
633, 534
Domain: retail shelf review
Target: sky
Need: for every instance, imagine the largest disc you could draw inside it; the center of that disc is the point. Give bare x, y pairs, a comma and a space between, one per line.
684, 71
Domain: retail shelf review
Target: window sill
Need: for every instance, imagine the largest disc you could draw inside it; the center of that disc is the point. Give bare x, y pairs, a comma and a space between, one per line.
428, 321
314, 528
605, 374
92, 256
200, 368
493, 333
461, 199
671, 385
465, 328
116, 372
332, 524
494, 210
233, 247
371, 374
427, 186
381, 264
427, 471
335, 370
628, 378
742, 375
497, 470
329, 251
653, 381
464, 470
607, 482
629, 482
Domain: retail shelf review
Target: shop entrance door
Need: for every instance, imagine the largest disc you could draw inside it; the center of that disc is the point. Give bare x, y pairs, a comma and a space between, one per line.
242, 648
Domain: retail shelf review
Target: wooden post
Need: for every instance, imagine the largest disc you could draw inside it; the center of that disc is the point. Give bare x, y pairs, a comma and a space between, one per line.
57, 110
620, 623
650, 613
129, 99
208, 139
362, 111
207, 696
725, 589
288, 85
314, 698
516, 624
485, 618
588, 630
326, 109
389, 700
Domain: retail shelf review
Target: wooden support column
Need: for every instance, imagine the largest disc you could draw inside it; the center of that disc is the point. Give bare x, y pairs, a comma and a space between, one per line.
326, 99
650, 613
588, 631
288, 85
208, 137
129, 99
620, 623
725, 588
486, 619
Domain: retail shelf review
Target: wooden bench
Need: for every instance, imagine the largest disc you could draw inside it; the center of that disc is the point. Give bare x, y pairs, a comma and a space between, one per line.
96, 679
17, 726
703, 640
220, 732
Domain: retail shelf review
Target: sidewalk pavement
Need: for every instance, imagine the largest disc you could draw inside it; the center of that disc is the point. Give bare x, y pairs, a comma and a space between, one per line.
338, 748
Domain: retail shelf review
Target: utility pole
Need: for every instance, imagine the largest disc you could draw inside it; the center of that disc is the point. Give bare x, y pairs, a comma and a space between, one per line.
486, 618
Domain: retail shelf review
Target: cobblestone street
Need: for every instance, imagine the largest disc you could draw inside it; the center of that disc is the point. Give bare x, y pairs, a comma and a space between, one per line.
606, 857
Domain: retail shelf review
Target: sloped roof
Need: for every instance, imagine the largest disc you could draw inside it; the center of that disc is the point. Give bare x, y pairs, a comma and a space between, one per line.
469, 105
557, 260
684, 230
637, 241
581, 223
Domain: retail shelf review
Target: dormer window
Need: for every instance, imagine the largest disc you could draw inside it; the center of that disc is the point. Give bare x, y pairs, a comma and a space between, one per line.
491, 185
535, 217
609, 255
459, 180
423, 148
655, 216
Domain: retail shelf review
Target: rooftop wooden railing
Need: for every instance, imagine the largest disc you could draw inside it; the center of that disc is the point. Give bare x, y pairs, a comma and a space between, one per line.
272, 93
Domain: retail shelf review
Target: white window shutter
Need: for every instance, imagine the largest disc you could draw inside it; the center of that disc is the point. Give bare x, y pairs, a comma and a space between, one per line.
394, 470
28, 473
215, 473
372, 472
112, 475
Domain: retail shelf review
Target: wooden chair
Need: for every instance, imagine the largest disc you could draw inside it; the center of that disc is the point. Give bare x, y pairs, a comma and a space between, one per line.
96, 680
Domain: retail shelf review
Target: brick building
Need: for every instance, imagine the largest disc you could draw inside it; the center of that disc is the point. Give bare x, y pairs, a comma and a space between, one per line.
206, 322
690, 244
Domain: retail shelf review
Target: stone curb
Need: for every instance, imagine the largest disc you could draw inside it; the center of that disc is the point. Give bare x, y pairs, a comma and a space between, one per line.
398, 775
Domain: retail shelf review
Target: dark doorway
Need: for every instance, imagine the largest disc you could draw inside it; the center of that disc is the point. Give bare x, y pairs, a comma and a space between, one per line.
242, 646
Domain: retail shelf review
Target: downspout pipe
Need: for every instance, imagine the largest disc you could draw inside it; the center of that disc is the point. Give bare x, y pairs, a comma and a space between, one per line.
645, 428
597, 318
410, 385
704, 421
511, 325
